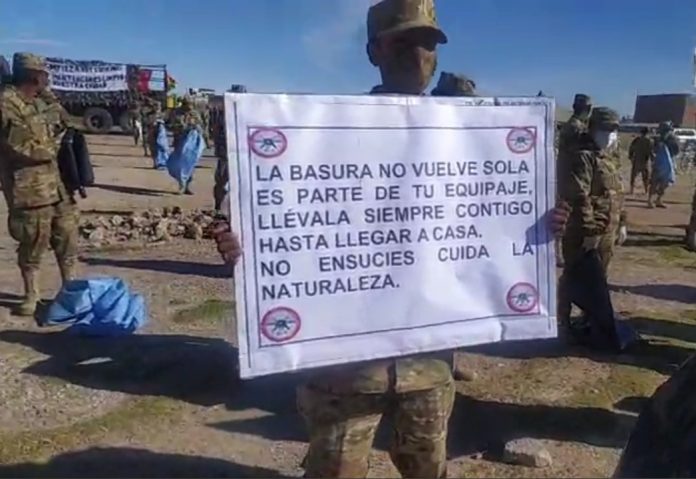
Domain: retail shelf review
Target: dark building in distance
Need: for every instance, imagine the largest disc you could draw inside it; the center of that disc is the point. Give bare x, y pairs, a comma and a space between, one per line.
679, 108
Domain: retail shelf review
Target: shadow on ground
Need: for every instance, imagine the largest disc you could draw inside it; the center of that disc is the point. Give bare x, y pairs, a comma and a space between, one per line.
669, 292
9, 300
132, 463
480, 426
186, 268
132, 190
196, 370
658, 356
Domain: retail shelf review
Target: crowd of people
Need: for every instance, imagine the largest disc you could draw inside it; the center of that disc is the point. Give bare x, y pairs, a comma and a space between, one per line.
343, 406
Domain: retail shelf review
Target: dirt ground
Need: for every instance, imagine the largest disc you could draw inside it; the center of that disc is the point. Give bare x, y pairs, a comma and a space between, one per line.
165, 402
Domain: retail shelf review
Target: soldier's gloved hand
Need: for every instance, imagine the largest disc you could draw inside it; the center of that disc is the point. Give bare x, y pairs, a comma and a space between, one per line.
623, 235
590, 243
227, 243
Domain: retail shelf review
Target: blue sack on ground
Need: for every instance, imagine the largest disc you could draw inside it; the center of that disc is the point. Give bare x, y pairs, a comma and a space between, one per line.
162, 142
185, 157
663, 169
97, 307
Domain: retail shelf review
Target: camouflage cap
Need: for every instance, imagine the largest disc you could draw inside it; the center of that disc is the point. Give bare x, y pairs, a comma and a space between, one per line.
603, 117
28, 61
394, 16
451, 84
581, 98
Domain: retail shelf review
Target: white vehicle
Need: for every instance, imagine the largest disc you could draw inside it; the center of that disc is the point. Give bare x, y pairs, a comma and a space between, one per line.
685, 136
687, 147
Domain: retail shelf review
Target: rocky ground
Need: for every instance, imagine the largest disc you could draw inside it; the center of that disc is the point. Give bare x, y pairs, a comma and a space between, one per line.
166, 402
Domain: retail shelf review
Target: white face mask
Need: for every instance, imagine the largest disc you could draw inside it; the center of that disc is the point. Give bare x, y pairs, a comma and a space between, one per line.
605, 139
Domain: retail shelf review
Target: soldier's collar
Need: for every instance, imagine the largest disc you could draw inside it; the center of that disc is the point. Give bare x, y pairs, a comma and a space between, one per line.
382, 90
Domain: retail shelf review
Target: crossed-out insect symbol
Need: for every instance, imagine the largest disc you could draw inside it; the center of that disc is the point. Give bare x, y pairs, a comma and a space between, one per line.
268, 143
280, 324
522, 297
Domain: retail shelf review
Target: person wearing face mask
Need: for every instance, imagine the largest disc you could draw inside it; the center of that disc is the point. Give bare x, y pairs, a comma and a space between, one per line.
591, 185
41, 212
663, 175
343, 405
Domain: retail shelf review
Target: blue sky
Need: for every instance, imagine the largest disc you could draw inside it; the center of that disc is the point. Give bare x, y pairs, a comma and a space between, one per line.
608, 48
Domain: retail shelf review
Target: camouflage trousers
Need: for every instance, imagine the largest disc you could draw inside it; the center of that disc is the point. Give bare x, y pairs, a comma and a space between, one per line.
572, 252
38, 229
342, 428
222, 178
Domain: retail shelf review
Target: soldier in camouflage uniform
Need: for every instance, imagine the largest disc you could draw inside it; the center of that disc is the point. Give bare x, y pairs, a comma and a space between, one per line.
150, 114
41, 212
590, 183
222, 174
574, 127
641, 154
566, 139
451, 84
343, 407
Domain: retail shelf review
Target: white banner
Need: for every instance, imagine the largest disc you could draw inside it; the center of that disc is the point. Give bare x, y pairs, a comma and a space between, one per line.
87, 76
377, 227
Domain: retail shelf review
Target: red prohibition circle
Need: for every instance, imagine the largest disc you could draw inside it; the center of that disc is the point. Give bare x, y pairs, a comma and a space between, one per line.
520, 140
280, 324
522, 298
268, 142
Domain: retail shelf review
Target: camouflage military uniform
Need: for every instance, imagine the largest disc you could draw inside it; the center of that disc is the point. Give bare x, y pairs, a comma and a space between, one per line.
222, 174
592, 186
343, 406
451, 84
691, 228
151, 115
641, 153
663, 441
41, 213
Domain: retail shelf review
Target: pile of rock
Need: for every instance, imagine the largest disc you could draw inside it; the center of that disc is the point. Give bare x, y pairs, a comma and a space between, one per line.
152, 226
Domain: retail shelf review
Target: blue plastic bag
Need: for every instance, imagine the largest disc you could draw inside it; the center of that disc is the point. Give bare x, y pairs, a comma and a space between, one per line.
161, 155
97, 307
182, 162
663, 170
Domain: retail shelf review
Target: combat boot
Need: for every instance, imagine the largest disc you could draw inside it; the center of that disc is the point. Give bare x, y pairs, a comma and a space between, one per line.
31, 294
659, 203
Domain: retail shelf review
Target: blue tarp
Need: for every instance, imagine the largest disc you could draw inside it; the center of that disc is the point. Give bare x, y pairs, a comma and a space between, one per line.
161, 155
663, 169
186, 156
97, 307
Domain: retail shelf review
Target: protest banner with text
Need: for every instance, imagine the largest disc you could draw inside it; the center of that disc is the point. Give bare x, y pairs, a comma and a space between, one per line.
376, 227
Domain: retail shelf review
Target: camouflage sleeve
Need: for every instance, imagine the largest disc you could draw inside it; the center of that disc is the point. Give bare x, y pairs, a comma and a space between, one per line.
18, 146
578, 184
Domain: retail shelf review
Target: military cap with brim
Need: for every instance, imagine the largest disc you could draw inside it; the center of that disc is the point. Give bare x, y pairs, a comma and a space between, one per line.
603, 117
28, 61
582, 98
394, 16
